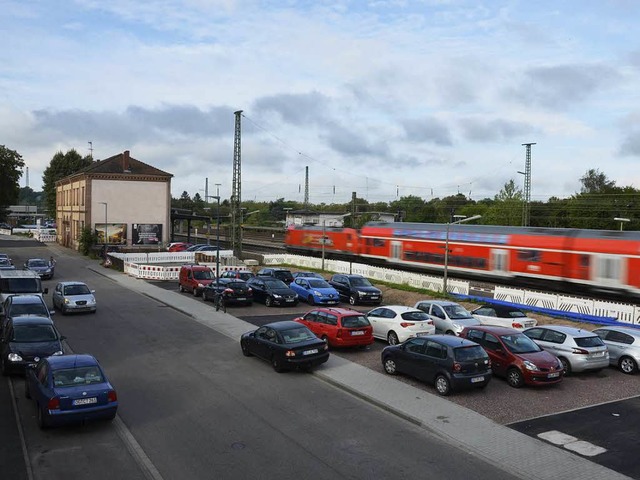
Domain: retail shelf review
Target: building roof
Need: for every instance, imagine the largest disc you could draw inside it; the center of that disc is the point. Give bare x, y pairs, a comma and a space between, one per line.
123, 163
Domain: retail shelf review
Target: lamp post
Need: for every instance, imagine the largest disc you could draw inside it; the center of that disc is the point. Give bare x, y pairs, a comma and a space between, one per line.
106, 237
622, 221
217, 198
446, 249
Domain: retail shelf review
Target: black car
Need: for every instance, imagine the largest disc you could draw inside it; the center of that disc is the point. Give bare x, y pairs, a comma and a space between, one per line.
25, 340
447, 361
233, 291
285, 345
356, 289
20, 305
280, 273
272, 291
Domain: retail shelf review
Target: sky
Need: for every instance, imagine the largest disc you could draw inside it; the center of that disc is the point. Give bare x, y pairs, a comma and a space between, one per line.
385, 98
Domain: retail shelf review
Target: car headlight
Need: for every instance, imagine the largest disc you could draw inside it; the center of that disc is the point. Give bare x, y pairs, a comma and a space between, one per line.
275, 295
59, 352
14, 357
362, 294
530, 366
316, 293
92, 300
560, 366
200, 285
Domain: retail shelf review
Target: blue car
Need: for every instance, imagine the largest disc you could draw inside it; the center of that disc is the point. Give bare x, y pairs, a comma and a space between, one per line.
70, 389
42, 267
315, 291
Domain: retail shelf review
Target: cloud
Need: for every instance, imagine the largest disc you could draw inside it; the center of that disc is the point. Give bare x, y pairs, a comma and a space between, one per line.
296, 109
429, 130
630, 145
498, 130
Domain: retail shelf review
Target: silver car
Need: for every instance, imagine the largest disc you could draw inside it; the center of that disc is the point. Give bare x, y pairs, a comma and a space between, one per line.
579, 350
448, 317
74, 297
624, 346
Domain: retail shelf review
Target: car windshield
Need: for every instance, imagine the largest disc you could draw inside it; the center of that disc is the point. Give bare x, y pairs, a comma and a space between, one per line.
18, 309
33, 333
456, 312
469, 354
70, 377
76, 290
38, 263
360, 282
274, 283
313, 283
283, 275
203, 274
297, 335
520, 343
515, 314
355, 321
245, 275
594, 341
417, 315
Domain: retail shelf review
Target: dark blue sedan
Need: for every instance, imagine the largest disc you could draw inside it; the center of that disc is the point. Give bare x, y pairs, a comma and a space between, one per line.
70, 389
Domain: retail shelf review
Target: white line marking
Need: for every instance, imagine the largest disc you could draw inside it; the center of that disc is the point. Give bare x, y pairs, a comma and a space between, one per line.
571, 443
556, 437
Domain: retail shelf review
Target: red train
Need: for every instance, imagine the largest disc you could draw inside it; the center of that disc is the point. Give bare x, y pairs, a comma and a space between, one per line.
584, 259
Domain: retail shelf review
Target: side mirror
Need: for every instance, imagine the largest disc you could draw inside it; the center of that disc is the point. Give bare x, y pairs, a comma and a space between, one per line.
93, 291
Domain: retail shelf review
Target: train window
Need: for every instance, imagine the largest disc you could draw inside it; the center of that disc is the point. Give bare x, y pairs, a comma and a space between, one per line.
529, 255
584, 261
378, 242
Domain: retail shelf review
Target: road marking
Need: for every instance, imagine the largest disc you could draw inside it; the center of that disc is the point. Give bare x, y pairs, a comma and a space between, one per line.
572, 443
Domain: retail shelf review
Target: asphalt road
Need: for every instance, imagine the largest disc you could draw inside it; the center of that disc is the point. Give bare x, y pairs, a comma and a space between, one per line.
192, 407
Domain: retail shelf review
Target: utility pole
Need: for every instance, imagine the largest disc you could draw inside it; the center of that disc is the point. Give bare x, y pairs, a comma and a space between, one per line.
206, 190
353, 206
526, 210
236, 213
306, 187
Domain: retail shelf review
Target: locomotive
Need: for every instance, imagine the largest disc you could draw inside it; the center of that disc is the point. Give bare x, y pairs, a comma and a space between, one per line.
571, 260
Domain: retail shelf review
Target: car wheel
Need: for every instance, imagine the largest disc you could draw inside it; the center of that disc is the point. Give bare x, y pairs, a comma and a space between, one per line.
443, 386
450, 332
353, 300
390, 366
628, 365
63, 310
180, 288
245, 349
565, 365
268, 302
277, 365
195, 292
27, 393
42, 418
392, 338
515, 378
311, 300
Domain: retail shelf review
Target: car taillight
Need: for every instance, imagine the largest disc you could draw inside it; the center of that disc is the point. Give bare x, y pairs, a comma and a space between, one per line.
429, 322
290, 353
228, 291
579, 351
339, 333
517, 325
406, 324
457, 367
54, 404
112, 396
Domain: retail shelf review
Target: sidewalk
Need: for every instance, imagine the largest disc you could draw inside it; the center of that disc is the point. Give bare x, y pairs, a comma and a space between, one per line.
516, 453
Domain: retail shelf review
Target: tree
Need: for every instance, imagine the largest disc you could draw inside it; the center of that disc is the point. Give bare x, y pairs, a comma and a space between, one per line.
11, 165
62, 165
594, 181
507, 206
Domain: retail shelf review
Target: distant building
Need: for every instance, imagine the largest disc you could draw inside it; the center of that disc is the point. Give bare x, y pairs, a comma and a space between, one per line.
311, 217
124, 200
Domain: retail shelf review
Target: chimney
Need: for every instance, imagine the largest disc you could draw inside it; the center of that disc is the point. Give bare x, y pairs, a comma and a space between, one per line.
125, 161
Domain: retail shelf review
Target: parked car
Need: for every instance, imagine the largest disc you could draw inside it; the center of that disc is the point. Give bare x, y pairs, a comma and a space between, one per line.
22, 305
356, 289
70, 389
315, 291
280, 273
5, 256
5, 264
272, 291
239, 274
26, 340
447, 362
42, 267
515, 356
503, 316
307, 275
397, 323
233, 291
206, 248
285, 345
196, 247
178, 246
579, 350
449, 318
623, 344
339, 327
193, 278
74, 297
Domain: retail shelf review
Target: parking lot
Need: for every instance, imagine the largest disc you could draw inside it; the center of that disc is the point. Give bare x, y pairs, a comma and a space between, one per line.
498, 401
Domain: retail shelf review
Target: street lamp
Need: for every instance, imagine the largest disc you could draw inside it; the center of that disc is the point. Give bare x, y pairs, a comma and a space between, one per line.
105, 223
446, 248
217, 198
622, 221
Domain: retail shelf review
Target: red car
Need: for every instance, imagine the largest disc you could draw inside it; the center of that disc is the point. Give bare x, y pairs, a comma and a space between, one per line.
339, 327
515, 356
179, 246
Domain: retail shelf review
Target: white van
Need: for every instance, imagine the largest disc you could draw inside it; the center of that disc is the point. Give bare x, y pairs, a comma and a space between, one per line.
19, 282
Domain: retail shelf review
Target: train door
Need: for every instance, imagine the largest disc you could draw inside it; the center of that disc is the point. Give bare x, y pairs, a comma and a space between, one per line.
396, 251
500, 261
609, 270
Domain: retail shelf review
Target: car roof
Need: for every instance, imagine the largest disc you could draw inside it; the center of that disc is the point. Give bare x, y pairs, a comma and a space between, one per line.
440, 302
630, 330
500, 308
571, 331
26, 299
32, 320
284, 325
68, 361
451, 340
496, 330
400, 308
70, 282
339, 310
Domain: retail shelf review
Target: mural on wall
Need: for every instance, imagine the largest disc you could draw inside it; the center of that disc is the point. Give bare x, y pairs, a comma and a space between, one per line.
116, 233
146, 233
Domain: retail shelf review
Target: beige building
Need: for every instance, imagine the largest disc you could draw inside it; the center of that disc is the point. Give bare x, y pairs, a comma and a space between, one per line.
129, 197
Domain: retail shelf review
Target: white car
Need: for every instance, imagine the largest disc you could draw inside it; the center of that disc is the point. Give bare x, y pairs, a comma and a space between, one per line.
397, 323
449, 318
503, 316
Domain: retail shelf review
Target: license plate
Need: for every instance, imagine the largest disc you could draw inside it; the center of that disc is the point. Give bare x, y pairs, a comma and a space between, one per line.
241, 299
374, 298
421, 334
85, 401
598, 354
357, 332
477, 379
289, 299
553, 375
310, 352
